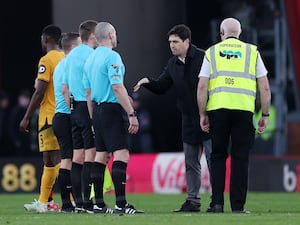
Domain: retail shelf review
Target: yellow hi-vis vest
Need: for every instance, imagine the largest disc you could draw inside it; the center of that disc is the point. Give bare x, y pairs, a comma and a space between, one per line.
232, 81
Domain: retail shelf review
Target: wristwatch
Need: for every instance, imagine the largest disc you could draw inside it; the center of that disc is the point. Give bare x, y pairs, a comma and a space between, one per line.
265, 115
133, 114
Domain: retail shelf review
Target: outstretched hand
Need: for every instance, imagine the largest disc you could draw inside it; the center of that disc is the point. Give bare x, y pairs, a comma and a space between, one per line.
138, 85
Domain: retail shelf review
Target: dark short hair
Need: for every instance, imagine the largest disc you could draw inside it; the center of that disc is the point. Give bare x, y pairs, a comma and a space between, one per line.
53, 32
182, 31
67, 39
86, 28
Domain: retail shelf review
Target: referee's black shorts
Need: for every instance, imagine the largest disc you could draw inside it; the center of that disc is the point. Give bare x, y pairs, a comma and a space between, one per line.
62, 130
110, 124
82, 133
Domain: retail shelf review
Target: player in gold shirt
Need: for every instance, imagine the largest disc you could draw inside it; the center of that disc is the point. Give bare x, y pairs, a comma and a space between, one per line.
43, 98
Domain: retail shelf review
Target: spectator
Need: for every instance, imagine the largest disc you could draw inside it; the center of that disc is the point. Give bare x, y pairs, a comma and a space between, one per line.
20, 141
4, 107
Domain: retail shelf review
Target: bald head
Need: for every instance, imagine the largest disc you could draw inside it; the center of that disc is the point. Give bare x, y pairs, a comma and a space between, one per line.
106, 35
230, 27
102, 31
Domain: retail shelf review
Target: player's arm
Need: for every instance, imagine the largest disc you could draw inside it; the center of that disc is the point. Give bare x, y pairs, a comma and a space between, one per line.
36, 99
66, 94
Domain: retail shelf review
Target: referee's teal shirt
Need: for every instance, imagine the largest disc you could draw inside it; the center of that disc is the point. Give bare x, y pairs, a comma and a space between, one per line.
60, 102
74, 71
103, 68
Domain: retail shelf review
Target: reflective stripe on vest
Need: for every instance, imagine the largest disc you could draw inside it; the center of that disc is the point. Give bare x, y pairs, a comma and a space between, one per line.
232, 83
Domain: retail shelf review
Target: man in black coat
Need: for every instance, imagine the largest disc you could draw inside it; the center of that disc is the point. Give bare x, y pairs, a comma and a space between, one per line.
182, 72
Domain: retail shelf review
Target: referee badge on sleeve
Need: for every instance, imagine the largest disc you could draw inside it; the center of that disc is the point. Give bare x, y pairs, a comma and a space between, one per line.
116, 67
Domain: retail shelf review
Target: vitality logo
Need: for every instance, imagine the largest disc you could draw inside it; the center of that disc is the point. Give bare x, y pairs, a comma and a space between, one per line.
231, 54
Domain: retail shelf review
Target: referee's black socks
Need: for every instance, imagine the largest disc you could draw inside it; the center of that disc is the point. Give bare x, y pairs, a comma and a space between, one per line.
119, 179
97, 176
64, 181
86, 181
76, 178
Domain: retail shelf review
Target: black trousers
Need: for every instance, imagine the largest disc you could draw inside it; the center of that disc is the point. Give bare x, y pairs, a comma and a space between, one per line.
232, 128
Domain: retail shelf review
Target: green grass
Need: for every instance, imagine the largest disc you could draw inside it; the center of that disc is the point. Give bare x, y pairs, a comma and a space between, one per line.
266, 209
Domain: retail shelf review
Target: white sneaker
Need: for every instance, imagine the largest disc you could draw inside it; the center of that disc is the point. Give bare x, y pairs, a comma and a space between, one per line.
36, 206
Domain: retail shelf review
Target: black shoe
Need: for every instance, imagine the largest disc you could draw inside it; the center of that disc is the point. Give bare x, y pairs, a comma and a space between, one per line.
79, 209
127, 209
104, 209
188, 206
88, 207
215, 209
68, 210
243, 211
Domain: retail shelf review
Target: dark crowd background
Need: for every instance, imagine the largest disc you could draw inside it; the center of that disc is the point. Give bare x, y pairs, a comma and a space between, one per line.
144, 48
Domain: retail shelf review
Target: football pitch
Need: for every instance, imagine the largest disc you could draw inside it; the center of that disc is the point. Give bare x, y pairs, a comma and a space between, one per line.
266, 209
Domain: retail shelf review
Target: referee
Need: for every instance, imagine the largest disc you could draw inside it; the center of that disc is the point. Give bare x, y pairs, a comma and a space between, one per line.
230, 73
62, 124
113, 115
82, 134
